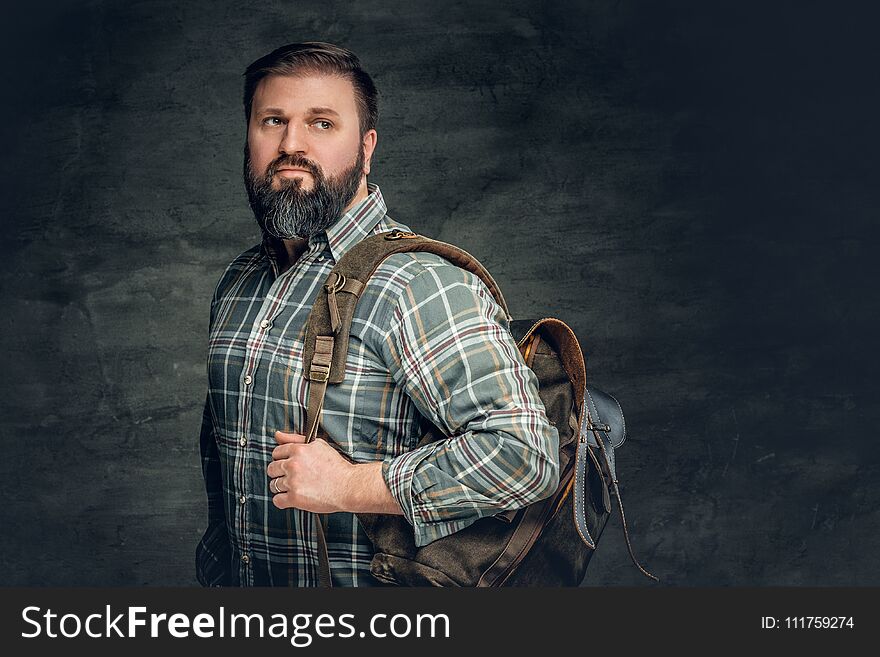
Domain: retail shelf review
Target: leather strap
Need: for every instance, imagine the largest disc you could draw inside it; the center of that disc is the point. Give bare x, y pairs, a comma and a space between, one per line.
319, 373
324, 578
337, 283
522, 539
593, 426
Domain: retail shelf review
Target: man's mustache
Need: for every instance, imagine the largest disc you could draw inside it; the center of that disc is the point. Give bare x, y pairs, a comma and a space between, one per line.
293, 161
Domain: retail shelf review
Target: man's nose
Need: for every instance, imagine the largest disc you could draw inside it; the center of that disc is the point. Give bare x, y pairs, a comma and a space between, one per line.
295, 140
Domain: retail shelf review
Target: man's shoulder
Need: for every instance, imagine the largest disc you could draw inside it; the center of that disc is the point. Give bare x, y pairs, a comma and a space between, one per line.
404, 281
244, 263
247, 258
413, 269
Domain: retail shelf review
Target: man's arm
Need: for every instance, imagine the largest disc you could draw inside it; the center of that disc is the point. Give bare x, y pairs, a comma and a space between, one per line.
451, 351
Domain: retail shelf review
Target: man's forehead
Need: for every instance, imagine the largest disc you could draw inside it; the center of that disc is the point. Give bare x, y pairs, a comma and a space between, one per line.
304, 91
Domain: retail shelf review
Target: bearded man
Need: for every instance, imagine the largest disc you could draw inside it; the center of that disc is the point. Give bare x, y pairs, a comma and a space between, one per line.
428, 345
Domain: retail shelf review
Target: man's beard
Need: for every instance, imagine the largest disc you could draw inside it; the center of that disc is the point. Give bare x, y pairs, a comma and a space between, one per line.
293, 212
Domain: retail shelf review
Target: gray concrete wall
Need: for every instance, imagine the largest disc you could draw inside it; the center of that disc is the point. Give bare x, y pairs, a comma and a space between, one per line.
693, 188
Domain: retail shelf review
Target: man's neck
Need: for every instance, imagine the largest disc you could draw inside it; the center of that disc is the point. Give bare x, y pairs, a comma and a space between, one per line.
294, 249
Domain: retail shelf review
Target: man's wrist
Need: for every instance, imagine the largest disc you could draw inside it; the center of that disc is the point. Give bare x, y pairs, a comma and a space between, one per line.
366, 490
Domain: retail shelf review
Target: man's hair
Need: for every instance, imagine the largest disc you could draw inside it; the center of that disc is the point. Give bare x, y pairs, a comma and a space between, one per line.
316, 57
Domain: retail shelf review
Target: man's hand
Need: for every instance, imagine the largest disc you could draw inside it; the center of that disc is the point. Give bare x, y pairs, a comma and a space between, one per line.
315, 477
310, 476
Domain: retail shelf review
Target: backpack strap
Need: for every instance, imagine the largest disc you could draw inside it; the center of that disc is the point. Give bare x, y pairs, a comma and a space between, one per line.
329, 325
602, 426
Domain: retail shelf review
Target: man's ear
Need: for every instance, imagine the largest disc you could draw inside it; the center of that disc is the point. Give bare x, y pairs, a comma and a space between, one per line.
369, 145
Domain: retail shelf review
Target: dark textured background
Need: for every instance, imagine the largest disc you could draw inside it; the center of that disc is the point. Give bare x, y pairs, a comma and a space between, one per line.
692, 186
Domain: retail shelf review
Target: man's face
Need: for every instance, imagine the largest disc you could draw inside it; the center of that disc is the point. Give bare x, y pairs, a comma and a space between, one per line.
305, 159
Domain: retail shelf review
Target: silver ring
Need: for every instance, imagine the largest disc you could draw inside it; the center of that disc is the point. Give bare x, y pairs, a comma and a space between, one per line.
273, 487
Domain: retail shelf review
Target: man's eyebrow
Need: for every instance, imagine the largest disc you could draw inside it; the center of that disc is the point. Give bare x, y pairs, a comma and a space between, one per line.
322, 110
270, 110
312, 111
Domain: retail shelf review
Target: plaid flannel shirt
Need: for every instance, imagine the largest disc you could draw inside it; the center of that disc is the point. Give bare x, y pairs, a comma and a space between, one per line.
428, 344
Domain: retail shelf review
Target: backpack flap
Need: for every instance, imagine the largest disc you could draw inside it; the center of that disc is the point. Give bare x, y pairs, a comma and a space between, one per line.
603, 420
602, 428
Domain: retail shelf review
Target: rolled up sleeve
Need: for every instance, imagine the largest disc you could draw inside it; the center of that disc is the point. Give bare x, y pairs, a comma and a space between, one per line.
449, 348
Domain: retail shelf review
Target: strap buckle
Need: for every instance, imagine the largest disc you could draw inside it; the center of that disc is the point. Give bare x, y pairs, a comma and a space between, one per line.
335, 286
597, 427
319, 373
592, 426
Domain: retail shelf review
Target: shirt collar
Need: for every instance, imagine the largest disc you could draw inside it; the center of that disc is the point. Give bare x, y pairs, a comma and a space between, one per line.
348, 230
356, 224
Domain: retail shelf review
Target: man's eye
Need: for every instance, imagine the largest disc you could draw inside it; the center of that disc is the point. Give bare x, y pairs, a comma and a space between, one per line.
272, 121
323, 125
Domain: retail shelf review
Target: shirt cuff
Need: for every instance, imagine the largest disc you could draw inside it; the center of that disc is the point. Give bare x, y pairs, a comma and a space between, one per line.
400, 476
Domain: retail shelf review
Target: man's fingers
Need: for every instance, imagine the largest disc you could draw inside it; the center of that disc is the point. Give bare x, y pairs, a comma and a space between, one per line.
285, 438
282, 501
285, 451
276, 469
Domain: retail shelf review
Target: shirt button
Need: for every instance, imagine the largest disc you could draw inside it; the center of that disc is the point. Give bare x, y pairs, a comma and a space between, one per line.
247, 380
245, 559
242, 441
242, 499
265, 324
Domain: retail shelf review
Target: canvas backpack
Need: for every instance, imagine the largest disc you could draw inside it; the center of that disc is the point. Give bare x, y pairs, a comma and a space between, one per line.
548, 543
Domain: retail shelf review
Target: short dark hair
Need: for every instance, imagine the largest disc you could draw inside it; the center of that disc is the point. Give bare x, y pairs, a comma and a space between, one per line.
321, 58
